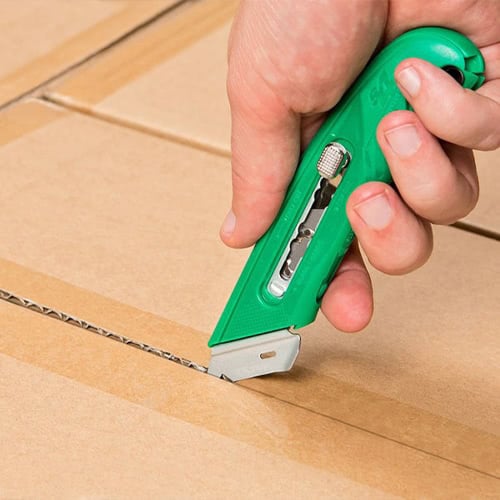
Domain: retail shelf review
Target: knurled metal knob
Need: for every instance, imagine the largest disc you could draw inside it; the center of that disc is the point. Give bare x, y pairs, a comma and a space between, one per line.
333, 160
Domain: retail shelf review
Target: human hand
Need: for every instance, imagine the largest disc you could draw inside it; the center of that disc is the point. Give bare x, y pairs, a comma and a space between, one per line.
290, 62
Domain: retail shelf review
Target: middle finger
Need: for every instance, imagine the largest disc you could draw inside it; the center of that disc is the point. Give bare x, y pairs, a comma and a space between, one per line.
438, 182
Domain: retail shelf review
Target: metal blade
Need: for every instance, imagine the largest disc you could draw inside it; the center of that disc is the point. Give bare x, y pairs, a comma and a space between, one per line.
255, 356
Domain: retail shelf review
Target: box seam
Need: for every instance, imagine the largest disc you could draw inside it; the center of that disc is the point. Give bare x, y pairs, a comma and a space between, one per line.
35, 90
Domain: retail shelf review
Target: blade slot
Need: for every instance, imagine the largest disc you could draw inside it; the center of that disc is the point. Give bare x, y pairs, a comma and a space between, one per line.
299, 244
302, 236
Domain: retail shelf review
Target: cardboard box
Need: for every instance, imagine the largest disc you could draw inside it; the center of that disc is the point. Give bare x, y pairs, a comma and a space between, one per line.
43, 38
121, 228
168, 79
179, 91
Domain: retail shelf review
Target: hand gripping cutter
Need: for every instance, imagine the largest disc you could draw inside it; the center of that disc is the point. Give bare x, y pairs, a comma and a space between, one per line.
291, 266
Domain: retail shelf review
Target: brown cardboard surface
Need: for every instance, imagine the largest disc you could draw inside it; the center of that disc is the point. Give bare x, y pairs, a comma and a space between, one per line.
486, 215
168, 79
40, 38
134, 218
80, 174
86, 416
98, 445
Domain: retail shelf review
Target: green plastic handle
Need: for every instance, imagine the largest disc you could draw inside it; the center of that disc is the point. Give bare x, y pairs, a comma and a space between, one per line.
252, 309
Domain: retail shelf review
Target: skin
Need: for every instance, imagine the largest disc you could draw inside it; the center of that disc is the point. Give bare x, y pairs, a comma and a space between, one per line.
290, 61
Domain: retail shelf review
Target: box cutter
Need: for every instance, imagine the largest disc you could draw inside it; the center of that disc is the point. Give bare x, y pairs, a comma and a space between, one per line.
291, 266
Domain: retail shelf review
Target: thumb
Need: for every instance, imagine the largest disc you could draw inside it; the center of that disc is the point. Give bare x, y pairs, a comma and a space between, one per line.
265, 143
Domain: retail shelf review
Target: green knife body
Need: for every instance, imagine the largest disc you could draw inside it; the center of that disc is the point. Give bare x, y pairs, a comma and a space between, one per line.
255, 307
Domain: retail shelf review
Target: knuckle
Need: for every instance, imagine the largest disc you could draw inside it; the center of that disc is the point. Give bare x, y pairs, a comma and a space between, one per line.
448, 213
403, 251
258, 103
491, 142
406, 259
470, 201
258, 181
443, 198
428, 197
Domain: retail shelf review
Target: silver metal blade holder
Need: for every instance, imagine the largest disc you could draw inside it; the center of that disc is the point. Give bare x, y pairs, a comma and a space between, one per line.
331, 164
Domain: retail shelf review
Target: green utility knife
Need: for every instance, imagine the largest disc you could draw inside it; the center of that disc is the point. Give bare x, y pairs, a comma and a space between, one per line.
291, 266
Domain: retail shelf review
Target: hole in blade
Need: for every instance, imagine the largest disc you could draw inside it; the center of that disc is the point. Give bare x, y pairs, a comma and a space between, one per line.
267, 355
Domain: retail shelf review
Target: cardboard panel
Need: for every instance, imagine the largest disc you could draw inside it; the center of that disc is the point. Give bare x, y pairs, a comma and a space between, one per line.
486, 215
98, 445
85, 416
41, 38
81, 175
135, 218
169, 79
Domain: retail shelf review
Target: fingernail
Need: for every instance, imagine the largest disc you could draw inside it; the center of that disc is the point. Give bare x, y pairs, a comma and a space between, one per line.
409, 79
229, 223
376, 211
404, 140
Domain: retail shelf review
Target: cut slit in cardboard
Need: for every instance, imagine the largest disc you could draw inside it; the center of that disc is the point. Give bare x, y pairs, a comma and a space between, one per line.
123, 217
100, 415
